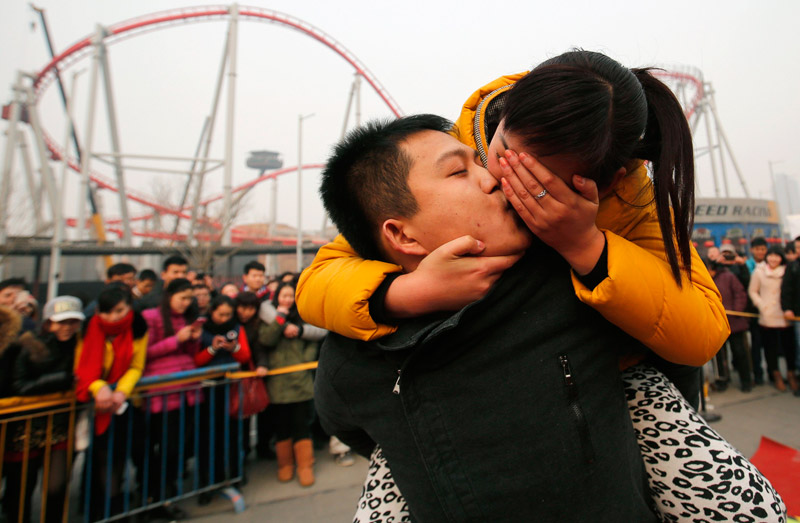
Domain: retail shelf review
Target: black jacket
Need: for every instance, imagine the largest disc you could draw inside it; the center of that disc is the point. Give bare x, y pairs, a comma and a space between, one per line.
44, 366
790, 288
510, 410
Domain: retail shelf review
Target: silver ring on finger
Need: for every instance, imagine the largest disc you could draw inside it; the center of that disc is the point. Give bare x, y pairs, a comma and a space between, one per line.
541, 194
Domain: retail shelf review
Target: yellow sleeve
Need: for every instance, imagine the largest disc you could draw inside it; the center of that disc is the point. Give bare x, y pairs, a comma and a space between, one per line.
685, 325
128, 380
97, 385
334, 291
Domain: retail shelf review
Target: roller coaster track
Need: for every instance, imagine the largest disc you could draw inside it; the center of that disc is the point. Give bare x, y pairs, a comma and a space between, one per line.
177, 17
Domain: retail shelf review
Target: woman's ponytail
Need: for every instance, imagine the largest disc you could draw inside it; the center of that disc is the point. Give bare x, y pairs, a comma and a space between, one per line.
667, 144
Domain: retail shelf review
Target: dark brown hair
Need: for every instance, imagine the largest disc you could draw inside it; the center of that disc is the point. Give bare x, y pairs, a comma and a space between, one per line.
175, 286
588, 105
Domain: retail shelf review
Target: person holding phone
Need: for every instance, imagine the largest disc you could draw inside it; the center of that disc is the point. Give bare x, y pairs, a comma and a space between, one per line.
174, 341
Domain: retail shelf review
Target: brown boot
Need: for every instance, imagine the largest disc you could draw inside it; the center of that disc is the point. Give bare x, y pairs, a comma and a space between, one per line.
283, 449
779, 384
792, 381
304, 453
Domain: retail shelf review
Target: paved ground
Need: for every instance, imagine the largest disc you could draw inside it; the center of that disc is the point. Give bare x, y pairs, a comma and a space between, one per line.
745, 418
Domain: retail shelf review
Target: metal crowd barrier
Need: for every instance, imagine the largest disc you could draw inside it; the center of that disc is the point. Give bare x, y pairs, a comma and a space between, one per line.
133, 467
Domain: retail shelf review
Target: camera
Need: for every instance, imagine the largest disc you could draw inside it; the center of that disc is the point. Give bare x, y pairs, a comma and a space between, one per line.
728, 255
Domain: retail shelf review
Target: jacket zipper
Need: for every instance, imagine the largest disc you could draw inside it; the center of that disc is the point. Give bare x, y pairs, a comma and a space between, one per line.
575, 408
476, 125
396, 389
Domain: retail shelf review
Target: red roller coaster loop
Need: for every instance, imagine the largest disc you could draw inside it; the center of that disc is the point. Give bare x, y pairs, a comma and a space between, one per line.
166, 19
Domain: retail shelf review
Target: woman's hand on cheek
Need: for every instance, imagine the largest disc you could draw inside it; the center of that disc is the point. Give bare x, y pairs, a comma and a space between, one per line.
562, 218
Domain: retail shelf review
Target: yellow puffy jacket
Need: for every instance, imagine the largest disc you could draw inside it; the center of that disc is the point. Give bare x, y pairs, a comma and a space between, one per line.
685, 325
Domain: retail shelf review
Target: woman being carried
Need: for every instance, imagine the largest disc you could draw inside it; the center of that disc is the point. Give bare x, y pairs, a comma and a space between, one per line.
585, 123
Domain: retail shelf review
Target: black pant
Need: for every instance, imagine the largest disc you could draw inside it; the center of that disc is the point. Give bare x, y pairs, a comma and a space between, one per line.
105, 453
741, 357
755, 350
293, 420
56, 487
265, 423
777, 342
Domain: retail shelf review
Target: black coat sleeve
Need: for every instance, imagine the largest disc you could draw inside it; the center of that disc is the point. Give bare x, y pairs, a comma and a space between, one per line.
789, 288
335, 416
31, 380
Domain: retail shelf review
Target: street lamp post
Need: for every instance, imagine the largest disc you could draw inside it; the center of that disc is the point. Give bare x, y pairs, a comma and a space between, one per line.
775, 194
300, 119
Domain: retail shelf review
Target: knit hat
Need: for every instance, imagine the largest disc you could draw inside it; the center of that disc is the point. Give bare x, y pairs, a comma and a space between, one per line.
727, 247
63, 308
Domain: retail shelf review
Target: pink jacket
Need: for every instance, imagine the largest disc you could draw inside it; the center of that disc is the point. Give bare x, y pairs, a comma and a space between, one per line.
765, 291
166, 355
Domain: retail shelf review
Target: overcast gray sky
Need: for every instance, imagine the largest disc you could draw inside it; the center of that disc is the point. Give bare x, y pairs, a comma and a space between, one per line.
430, 55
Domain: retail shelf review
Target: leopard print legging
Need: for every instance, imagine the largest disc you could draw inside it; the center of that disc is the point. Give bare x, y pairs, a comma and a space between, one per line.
693, 473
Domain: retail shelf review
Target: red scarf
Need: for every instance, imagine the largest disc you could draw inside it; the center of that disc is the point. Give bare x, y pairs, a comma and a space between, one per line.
90, 366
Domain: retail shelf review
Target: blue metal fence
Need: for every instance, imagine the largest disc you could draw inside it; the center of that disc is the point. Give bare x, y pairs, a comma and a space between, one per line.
175, 439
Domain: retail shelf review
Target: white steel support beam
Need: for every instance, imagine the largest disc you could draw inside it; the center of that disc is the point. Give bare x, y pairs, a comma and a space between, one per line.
357, 82
724, 142
709, 96
707, 112
299, 251
113, 129
8, 161
212, 117
69, 130
227, 211
273, 220
192, 170
86, 153
33, 190
49, 183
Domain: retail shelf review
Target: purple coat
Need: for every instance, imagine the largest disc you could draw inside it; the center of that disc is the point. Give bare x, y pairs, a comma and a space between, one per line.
166, 355
734, 297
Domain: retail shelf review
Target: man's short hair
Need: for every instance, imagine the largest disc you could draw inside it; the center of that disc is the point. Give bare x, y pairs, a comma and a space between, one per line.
174, 260
12, 282
254, 266
789, 247
119, 269
366, 179
758, 241
148, 275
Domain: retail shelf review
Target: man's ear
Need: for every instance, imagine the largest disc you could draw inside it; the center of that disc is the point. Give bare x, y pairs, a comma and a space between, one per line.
394, 233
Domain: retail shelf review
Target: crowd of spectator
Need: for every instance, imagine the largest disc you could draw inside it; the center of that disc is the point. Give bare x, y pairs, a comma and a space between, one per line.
142, 325
765, 286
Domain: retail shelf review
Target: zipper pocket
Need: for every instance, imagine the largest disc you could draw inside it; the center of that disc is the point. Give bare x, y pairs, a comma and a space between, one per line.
575, 409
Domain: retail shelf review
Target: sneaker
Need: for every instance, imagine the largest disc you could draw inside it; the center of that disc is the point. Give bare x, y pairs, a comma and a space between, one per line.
344, 459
